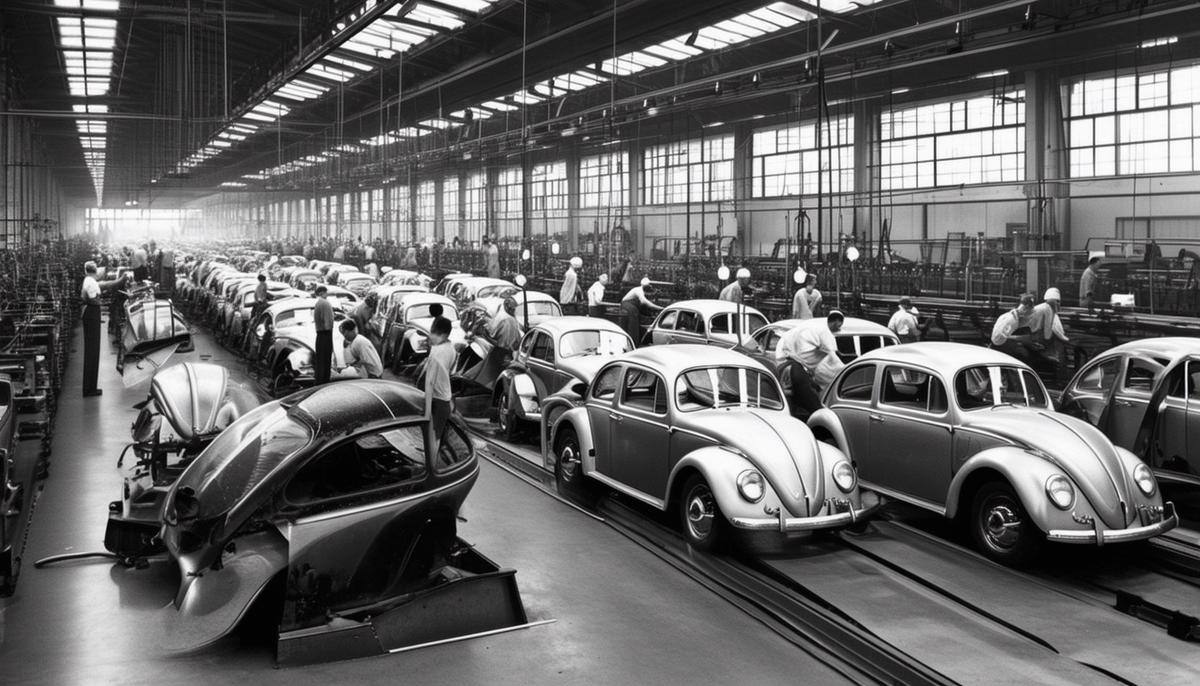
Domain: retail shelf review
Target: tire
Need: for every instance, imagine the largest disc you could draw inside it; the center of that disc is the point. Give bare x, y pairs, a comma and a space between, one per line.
1001, 527
704, 526
568, 466
506, 416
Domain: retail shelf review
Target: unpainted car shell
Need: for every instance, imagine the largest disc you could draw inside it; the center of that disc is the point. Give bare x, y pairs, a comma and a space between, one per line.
719, 444
939, 461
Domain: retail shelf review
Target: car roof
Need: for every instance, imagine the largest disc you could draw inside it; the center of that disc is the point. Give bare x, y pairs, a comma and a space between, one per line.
944, 358
483, 281
672, 359
424, 297
557, 326
349, 405
1172, 347
851, 326
711, 306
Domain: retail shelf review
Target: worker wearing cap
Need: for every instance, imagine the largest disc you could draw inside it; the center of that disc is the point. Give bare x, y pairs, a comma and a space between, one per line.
569, 294
631, 309
734, 292
595, 296
1046, 327
904, 322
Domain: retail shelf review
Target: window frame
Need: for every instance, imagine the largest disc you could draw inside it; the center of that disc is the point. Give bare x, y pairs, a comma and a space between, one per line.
622, 402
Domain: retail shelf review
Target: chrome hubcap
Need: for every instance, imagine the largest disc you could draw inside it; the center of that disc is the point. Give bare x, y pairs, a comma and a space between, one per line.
700, 509
503, 418
568, 461
1001, 524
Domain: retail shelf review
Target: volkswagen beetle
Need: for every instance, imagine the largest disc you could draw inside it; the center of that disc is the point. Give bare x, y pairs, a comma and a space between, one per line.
709, 322
704, 432
970, 432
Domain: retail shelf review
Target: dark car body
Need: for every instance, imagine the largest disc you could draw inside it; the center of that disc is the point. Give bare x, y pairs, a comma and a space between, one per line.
9, 493
151, 324
336, 492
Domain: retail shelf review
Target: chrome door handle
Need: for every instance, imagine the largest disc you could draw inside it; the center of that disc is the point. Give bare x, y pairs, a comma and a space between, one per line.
1123, 403
875, 417
615, 417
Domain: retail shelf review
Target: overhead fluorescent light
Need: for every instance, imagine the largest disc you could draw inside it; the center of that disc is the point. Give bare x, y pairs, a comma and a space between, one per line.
992, 74
1159, 42
713, 125
900, 91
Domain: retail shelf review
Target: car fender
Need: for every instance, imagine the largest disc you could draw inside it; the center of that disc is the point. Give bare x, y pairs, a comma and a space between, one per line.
576, 418
720, 467
1025, 472
827, 419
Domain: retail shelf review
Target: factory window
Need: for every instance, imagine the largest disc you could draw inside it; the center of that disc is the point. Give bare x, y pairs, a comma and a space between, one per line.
1134, 124
688, 171
604, 180
976, 140
509, 199
788, 160
474, 208
398, 212
451, 217
378, 213
345, 214
548, 198
426, 209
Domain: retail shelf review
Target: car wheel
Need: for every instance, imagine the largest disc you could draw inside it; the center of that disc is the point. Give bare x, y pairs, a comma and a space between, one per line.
506, 416
1001, 527
704, 526
283, 384
568, 465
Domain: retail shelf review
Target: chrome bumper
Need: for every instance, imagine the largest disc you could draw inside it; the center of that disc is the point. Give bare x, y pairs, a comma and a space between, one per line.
785, 524
1100, 536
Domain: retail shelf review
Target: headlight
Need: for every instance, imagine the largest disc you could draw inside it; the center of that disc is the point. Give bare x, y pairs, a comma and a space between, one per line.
844, 476
1145, 480
750, 485
1060, 491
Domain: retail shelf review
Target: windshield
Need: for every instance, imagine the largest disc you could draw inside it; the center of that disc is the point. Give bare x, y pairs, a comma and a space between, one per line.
422, 312
592, 342
995, 385
302, 315
715, 387
500, 291
539, 309
242, 456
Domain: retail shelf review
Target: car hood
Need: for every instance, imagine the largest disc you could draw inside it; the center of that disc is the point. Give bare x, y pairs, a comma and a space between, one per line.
1076, 447
780, 446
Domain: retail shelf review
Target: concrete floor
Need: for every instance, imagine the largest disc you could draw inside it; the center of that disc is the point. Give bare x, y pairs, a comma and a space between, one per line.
621, 615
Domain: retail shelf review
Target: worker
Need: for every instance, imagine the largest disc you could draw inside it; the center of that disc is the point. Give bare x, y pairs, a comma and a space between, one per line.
812, 344
631, 309
569, 293
807, 299
363, 311
736, 291
323, 321
595, 296
491, 254
262, 297
503, 330
437, 378
1087, 283
90, 293
1046, 329
1010, 332
360, 354
138, 262
904, 321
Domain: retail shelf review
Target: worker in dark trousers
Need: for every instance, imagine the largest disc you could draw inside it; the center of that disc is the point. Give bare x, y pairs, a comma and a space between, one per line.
323, 320
90, 293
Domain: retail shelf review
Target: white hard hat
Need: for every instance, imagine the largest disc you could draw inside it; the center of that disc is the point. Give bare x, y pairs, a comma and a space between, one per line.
1052, 294
576, 262
645, 281
743, 273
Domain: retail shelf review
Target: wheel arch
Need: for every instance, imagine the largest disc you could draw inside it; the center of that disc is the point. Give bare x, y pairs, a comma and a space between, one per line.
1024, 472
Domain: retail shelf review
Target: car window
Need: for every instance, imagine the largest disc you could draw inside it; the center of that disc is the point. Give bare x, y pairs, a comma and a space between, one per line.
526, 346
1099, 378
868, 343
593, 342
769, 340
1139, 375
716, 387
912, 389
754, 321
543, 347
391, 458
643, 390
857, 383
689, 321
668, 319
995, 385
846, 348
1185, 381
454, 449
606, 384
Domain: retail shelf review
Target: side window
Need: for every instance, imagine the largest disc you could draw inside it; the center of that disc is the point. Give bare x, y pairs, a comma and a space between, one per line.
643, 390
1139, 375
606, 384
719, 324
1100, 378
689, 321
769, 340
912, 389
454, 449
857, 383
846, 348
391, 459
527, 344
543, 348
668, 319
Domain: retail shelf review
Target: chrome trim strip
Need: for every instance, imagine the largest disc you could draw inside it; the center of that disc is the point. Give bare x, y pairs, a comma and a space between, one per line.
1101, 536
635, 494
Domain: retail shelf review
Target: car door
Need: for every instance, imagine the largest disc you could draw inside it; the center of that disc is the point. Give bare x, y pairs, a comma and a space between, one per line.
851, 402
640, 439
664, 328
911, 438
1087, 396
601, 399
689, 328
540, 363
1129, 400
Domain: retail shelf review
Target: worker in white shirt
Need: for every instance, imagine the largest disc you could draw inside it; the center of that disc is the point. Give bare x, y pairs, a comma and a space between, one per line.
631, 309
1046, 328
813, 345
806, 300
1010, 332
595, 296
569, 293
360, 354
90, 293
736, 291
904, 322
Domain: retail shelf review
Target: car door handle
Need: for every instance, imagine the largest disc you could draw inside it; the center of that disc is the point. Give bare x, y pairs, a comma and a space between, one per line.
875, 417
615, 417
1123, 403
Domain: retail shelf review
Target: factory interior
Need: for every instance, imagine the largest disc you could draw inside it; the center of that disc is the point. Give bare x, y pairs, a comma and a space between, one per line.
600, 341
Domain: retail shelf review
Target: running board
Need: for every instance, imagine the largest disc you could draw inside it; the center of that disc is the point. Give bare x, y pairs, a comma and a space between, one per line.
1177, 624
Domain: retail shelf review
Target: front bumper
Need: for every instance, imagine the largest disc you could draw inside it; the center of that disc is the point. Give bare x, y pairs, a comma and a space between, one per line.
846, 516
1099, 536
